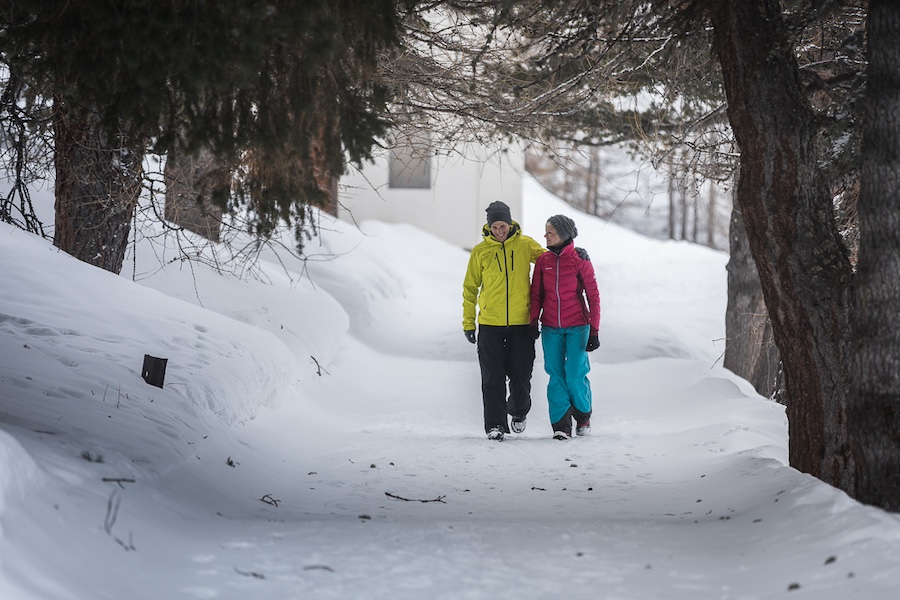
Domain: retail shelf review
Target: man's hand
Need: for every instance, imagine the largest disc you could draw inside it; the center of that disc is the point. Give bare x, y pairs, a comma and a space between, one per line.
470, 335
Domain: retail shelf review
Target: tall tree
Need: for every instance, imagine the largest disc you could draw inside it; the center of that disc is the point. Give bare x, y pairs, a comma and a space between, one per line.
828, 43
98, 180
250, 81
874, 415
750, 349
191, 183
789, 218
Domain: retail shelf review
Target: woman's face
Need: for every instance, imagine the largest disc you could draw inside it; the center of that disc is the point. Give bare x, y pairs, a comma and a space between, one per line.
551, 236
500, 230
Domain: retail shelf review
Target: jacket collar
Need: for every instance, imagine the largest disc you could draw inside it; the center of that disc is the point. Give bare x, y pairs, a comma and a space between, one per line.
514, 230
566, 248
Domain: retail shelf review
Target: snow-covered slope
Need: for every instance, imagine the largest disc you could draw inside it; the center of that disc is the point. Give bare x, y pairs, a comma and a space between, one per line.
319, 436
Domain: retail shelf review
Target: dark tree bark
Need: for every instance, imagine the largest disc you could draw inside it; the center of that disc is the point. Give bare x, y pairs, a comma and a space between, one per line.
802, 265
695, 211
592, 196
874, 413
750, 349
683, 197
325, 177
671, 190
97, 187
191, 183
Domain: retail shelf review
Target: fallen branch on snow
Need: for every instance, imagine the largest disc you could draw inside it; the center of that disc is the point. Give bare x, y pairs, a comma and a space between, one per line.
112, 513
268, 499
119, 480
395, 497
319, 369
318, 567
252, 574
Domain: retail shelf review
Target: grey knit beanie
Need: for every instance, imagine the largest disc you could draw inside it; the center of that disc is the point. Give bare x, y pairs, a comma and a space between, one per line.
498, 211
564, 226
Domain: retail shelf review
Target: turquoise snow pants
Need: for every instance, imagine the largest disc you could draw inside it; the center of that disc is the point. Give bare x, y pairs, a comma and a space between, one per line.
566, 362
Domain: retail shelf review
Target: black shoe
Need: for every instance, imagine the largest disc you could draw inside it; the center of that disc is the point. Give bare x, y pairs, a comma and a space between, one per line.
560, 435
495, 434
563, 426
517, 425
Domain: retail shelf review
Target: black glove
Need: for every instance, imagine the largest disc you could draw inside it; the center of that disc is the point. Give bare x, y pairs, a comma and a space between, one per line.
593, 343
535, 331
470, 335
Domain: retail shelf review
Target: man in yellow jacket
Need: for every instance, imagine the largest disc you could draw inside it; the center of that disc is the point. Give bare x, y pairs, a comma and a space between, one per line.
498, 280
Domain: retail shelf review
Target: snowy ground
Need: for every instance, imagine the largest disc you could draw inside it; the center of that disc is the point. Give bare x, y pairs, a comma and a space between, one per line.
320, 437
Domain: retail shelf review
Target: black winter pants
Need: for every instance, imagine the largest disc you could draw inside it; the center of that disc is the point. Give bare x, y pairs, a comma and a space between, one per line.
505, 352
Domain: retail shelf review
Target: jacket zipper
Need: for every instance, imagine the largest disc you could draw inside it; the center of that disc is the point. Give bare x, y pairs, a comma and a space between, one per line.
503, 247
558, 299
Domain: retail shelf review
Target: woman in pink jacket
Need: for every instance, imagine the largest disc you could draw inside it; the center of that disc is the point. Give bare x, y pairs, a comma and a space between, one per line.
562, 279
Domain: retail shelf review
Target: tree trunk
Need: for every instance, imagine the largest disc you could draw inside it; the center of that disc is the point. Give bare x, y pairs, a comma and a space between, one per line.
695, 217
874, 413
802, 265
191, 183
97, 187
683, 194
592, 200
326, 180
711, 208
749, 346
671, 190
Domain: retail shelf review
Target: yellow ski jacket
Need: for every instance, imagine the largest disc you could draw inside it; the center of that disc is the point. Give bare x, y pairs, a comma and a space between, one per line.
498, 279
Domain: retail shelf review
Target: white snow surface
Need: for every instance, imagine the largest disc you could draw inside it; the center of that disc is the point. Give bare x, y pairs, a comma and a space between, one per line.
319, 435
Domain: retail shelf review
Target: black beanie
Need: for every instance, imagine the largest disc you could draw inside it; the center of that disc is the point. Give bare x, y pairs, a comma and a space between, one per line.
564, 226
498, 211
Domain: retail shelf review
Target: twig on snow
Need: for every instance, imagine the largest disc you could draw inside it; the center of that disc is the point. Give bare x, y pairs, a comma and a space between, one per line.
268, 499
130, 545
119, 480
318, 567
253, 574
319, 367
395, 497
112, 513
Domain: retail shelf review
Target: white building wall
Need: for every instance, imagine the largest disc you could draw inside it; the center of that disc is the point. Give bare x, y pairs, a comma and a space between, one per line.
453, 208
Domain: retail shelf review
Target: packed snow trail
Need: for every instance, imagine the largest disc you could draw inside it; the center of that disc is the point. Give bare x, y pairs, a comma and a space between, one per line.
647, 507
321, 437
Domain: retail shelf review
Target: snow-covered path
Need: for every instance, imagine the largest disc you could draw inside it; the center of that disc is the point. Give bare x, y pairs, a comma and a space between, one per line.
322, 438
644, 508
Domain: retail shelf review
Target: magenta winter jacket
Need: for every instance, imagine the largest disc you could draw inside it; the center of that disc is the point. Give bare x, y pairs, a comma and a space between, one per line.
556, 290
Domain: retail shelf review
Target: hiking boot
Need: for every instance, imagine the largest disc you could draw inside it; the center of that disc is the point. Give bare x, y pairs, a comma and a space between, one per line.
583, 428
560, 435
495, 434
517, 425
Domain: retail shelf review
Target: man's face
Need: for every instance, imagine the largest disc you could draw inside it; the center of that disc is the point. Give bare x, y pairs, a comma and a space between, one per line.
500, 230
